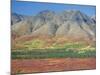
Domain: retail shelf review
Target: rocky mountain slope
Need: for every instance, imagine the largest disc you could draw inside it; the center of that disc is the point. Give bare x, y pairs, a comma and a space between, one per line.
69, 23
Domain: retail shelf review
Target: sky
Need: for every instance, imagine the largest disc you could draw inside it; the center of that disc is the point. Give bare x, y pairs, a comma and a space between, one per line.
32, 8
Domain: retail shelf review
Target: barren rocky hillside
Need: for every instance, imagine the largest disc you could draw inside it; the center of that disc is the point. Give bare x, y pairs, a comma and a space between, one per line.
69, 23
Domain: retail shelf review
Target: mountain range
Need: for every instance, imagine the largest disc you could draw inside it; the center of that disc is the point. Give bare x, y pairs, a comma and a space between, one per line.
68, 23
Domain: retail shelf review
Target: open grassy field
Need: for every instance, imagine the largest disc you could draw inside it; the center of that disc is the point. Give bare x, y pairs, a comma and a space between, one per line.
51, 53
40, 49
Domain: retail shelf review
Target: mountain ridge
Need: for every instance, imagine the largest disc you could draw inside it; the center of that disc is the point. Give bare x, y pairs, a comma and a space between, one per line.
71, 23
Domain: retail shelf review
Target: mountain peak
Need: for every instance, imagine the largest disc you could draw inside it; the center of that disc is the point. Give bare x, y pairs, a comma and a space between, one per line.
46, 12
72, 11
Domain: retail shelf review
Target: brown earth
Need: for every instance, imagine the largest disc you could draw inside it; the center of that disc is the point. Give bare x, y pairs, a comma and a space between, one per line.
18, 43
48, 65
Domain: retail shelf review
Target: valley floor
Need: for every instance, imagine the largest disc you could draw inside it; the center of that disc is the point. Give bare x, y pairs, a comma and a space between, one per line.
52, 64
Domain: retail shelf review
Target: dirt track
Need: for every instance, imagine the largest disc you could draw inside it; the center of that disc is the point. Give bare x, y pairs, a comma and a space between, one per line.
47, 65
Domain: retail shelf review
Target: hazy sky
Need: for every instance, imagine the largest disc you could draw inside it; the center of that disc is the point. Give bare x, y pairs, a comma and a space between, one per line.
32, 8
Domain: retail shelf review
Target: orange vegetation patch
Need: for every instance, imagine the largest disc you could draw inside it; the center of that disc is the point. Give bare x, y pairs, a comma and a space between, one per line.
48, 65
